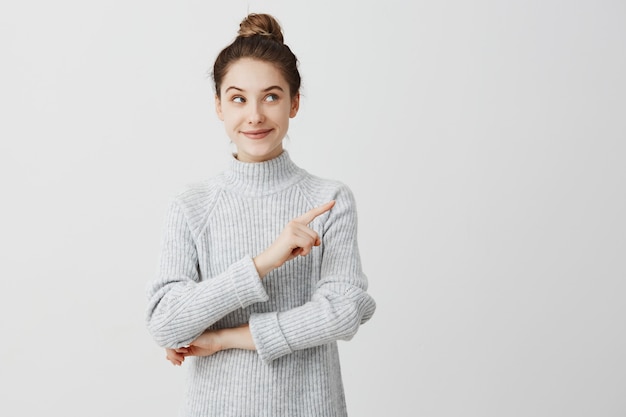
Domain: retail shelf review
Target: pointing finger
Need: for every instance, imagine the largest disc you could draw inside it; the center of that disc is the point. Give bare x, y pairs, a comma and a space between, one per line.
310, 215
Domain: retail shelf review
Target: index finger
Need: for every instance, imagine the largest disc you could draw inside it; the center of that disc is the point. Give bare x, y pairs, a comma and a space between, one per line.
310, 215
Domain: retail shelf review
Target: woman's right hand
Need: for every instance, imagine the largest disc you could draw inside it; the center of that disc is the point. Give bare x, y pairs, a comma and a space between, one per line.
296, 239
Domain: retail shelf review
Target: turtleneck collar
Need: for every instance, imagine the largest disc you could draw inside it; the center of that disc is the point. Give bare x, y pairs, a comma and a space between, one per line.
262, 178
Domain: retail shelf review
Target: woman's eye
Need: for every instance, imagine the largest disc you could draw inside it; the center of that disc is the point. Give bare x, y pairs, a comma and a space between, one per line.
239, 99
271, 97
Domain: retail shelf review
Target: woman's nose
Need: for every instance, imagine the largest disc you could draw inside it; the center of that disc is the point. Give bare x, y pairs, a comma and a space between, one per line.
256, 114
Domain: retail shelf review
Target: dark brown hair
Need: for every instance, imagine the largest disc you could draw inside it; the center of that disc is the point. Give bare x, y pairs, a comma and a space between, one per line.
259, 37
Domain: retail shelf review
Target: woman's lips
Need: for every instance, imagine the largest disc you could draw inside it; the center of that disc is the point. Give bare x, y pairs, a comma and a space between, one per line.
257, 134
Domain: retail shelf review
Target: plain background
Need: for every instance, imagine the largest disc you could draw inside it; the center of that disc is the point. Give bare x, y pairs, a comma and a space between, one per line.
484, 142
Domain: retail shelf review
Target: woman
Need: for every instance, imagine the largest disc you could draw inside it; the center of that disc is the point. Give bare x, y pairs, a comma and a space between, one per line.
260, 273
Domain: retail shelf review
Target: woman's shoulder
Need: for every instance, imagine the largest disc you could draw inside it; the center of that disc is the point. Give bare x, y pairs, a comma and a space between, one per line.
196, 200
199, 192
321, 189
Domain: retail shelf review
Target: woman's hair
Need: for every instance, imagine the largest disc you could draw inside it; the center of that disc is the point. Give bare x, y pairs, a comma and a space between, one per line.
259, 37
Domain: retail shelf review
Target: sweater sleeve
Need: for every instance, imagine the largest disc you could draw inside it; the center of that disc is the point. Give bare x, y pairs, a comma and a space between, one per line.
340, 303
181, 305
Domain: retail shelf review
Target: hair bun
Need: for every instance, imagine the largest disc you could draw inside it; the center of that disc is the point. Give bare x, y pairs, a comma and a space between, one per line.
261, 24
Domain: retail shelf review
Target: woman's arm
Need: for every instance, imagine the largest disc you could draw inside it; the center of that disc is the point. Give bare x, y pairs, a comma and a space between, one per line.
296, 239
213, 341
181, 306
338, 307
340, 303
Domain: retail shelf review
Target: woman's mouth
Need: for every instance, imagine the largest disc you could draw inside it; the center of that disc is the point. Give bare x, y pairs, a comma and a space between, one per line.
256, 134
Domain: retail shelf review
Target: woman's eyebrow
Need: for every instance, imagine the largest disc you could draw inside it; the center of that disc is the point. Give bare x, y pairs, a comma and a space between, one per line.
274, 87
234, 88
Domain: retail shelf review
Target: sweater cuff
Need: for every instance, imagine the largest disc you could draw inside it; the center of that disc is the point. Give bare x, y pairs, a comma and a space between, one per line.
268, 338
246, 283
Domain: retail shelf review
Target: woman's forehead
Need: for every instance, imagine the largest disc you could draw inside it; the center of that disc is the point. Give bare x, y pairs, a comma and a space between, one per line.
253, 75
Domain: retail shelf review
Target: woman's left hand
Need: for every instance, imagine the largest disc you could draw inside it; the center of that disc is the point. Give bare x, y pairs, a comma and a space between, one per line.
212, 341
174, 356
207, 344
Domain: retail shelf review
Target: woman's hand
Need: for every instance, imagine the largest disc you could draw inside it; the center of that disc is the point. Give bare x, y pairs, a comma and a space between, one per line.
206, 344
296, 239
212, 341
174, 356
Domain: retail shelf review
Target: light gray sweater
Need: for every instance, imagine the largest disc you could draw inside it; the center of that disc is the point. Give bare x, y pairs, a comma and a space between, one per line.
207, 279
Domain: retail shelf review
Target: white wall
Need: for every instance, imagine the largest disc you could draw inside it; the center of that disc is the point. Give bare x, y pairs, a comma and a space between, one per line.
485, 144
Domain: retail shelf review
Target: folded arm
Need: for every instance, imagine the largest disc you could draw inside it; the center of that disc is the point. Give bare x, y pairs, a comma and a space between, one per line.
340, 303
181, 307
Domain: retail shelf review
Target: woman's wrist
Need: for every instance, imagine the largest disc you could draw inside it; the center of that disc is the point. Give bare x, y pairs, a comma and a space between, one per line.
236, 338
262, 266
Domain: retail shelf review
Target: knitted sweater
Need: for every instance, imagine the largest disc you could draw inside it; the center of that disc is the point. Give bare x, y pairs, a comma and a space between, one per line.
207, 279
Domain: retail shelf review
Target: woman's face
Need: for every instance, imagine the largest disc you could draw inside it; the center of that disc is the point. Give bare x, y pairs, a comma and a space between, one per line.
255, 106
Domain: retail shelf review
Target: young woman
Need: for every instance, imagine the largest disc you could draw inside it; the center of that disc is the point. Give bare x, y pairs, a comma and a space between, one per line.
260, 272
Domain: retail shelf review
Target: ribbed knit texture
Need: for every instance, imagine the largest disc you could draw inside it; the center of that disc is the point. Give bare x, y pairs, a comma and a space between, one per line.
207, 279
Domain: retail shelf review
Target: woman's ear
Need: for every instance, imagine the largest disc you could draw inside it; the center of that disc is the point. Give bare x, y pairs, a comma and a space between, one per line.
218, 108
295, 105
